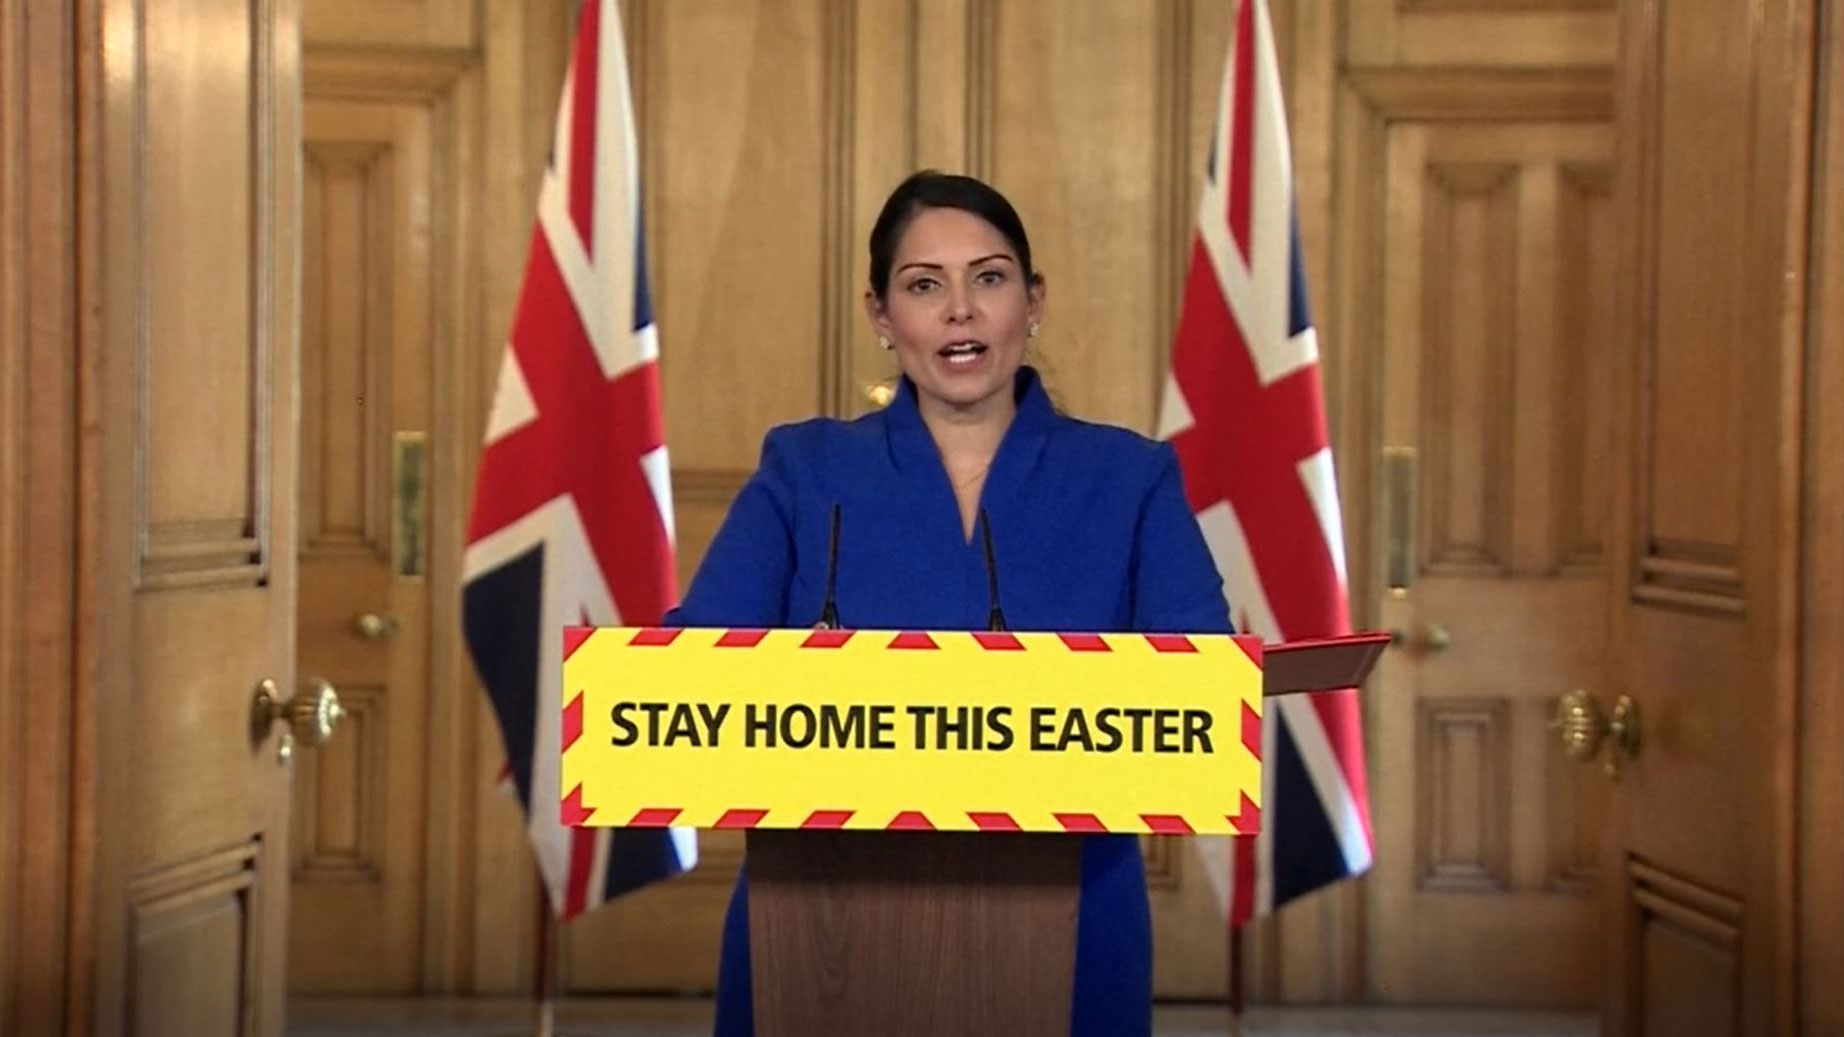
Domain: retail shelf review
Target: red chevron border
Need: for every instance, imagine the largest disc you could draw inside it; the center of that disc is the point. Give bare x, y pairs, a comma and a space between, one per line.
743, 818
992, 641
1246, 820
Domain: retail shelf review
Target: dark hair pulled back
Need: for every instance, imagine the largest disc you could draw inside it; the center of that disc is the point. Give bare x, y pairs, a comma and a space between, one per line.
930, 189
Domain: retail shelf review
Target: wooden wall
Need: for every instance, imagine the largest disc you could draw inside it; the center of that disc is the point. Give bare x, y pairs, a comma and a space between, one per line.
1820, 775
770, 133
45, 802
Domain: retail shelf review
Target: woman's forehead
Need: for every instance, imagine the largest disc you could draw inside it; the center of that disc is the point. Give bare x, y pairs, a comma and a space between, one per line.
941, 235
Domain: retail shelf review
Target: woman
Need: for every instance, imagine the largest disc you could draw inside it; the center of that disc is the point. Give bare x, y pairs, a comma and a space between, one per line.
1088, 525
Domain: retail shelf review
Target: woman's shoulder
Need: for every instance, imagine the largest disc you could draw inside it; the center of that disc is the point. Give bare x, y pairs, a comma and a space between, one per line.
817, 443
1114, 445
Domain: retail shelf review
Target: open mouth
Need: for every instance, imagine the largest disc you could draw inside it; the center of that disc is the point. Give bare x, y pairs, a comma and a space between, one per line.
961, 354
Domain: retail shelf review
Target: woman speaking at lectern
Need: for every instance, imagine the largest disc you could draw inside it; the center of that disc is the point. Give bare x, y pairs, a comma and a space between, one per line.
968, 474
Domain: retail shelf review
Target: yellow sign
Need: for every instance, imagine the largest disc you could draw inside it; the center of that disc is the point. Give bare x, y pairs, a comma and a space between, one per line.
884, 729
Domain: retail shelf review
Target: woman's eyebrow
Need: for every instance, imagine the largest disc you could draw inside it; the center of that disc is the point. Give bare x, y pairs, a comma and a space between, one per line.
972, 262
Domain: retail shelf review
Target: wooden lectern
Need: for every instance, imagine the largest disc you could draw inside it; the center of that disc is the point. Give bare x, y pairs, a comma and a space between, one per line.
894, 933
912, 932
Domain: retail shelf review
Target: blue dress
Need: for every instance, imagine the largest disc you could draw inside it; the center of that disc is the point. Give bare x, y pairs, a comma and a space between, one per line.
1090, 531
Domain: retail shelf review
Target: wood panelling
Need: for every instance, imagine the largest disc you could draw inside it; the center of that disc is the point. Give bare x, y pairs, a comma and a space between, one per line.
1464, 261
1688, 964
739, 97
1085, 159
194, 943
346, 347
389, 250
1575, 808
1469, 237
1716, 121
1454, 162
13, 432
890, 93
1587, 240
1821, 766
202, 498
398, 24
342, 809
1463, 799
47, 819
1521, 33
1691, 497
195, 179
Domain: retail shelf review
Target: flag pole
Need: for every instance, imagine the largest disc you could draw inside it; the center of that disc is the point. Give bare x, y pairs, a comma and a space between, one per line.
1236, 1002
547, 965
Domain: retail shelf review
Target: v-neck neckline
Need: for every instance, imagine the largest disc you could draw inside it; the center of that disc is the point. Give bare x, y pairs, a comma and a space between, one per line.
913, 448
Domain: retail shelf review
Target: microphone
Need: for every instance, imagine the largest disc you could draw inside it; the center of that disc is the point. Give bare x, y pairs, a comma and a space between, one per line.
829, 615
995, 620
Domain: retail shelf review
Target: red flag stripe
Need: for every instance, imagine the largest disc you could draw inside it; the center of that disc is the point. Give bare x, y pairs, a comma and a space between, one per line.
1242, 134
583, 124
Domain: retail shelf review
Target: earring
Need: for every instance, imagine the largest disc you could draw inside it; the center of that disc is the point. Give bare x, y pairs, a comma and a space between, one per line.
1033, 329
883, 342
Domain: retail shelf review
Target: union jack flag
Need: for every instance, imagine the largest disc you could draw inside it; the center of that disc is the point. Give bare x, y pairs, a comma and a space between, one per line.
1244, 410
572, 516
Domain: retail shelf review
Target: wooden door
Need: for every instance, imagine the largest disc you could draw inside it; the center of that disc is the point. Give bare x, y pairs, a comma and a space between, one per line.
380, 247
1495, 408
194, 189
1716, 108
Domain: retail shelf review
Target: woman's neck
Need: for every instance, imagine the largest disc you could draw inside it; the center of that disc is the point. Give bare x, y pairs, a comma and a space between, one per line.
971, 433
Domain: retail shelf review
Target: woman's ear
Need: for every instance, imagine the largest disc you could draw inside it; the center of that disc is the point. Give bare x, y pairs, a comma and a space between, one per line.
879, 317
1036, 307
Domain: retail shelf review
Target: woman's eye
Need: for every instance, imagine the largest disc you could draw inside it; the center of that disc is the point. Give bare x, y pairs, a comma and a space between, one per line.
922, 284
991, 277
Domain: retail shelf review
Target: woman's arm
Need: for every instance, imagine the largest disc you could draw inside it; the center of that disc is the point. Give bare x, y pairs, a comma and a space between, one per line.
1176, 587
743, 580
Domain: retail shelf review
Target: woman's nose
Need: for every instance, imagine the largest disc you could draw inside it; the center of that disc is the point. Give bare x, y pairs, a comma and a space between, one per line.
960, 304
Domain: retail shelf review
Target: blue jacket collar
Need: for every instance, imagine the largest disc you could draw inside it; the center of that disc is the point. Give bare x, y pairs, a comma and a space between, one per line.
913, 448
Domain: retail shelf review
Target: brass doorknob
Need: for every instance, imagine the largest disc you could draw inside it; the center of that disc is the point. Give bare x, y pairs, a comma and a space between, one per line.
312, 714
315, 711
1584, 729
375, 627
1427, 638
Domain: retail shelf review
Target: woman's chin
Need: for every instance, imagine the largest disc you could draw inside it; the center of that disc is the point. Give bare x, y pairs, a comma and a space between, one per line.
967, 386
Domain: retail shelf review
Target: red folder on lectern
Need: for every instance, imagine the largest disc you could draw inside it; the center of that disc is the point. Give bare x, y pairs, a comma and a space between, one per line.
1319, 664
